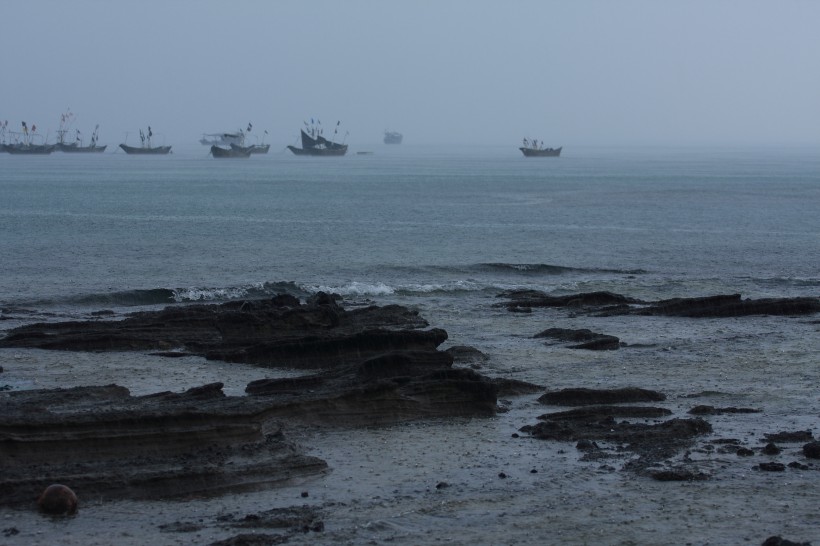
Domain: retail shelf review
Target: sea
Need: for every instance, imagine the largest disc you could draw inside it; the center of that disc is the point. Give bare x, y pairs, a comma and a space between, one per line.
447, 231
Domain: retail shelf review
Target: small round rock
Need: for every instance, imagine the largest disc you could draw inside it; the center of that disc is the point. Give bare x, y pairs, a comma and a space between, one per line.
58, 500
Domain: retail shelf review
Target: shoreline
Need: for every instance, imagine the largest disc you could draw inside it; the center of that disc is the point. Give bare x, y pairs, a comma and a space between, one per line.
440, 479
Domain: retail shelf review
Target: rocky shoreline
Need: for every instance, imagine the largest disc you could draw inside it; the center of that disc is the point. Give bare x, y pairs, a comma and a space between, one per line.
363, 366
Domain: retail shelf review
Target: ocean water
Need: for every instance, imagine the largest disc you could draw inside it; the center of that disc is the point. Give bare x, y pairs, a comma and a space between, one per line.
446, 231
418, 222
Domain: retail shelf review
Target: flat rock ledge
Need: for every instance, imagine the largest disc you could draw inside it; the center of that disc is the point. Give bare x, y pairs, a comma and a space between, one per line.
610, 304
105, 443
276, 332
581, 339
600, 417
369, 366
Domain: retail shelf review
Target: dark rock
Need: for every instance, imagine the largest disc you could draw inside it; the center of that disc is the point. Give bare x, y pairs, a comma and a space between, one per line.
678, 475
744, 452
772, 467
770, 449
586, 397
299, 519
466, 355
607, 304
605, 413
442, 485
730, 306
798, 466
263, 332
252, 539
113, 445
602, 343
354, 397
789, 437
11, 531
812, 450
711, 410
778, 541
58, 500
586, 445
533, 298
652, 442
589, 340
514, 387
502, 475
566, 334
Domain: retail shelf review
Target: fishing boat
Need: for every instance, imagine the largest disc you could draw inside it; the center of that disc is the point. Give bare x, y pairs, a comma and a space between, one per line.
314, 144
24, 144
534, 148
146, 148
29, 149
77, 145
233, 151
392, 137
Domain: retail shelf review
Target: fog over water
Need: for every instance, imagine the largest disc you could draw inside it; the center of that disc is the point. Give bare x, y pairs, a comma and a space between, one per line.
726, 72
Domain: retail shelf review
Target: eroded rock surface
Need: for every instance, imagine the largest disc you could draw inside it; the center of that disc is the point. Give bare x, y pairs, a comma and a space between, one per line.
278, 332
581, 339
105, 443
370, 366
587, 397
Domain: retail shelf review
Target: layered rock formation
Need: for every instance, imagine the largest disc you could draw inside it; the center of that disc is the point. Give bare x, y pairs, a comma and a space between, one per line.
607, 303
369, 366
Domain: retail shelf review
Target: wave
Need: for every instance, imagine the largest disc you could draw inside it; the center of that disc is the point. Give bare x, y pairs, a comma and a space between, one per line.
166, 296
548, 269
511, 268
360, 289
126, 298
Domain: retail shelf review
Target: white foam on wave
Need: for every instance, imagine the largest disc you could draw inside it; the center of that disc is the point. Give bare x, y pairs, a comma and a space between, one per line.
208, 294
355, 288
453, 286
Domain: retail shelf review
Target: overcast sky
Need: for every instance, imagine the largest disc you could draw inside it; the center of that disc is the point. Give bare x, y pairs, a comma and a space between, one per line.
575, 72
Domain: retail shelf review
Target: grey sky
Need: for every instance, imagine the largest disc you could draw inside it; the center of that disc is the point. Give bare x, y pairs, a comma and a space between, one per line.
462, 71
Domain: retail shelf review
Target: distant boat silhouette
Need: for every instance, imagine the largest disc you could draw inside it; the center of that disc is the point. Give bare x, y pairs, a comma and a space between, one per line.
146, 148
393, 137
233, 151
533, 148
30, 149
317, 145
24, 144
77, 145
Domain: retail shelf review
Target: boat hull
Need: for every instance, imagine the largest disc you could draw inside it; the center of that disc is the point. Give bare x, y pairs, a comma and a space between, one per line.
30, 149
232, 152
545, 152
80, 149
319, 152
159, 150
